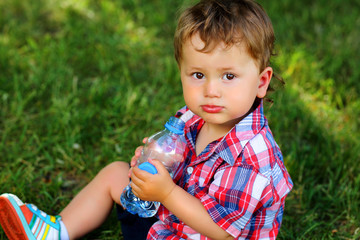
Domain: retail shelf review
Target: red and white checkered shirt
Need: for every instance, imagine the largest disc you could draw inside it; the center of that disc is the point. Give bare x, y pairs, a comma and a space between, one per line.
240, 179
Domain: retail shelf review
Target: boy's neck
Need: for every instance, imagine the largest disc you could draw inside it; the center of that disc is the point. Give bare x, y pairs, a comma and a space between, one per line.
209, 133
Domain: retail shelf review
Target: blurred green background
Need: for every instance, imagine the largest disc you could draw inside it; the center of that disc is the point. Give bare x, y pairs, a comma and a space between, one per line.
82, 82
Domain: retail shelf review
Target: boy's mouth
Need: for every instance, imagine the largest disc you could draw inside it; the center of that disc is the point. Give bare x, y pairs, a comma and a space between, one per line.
211, 108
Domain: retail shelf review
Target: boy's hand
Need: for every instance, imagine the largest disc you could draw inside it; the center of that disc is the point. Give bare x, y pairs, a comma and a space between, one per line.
152, 187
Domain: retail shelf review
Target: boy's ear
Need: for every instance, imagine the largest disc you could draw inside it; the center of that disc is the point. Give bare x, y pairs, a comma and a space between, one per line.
264, 81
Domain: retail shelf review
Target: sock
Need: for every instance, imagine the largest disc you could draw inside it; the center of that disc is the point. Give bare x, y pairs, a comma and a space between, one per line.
63, 232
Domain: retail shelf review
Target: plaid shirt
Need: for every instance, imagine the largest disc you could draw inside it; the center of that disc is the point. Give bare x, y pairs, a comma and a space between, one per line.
240, 179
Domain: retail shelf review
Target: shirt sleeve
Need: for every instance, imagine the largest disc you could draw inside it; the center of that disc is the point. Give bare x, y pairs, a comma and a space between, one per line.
234, 195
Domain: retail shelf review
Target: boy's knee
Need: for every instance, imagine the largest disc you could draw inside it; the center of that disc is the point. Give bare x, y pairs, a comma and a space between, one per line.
119, 164
117, 167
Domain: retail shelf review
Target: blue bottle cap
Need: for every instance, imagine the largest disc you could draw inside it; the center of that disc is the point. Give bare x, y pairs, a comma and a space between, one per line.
146, 166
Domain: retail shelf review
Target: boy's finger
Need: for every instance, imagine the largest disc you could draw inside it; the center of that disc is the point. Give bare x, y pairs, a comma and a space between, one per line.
135, 189
130, 172
135, 180
138, 151
133, 161
158, 165
141, 175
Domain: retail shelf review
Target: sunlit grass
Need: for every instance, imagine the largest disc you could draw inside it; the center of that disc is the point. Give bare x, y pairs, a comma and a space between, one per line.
82, 82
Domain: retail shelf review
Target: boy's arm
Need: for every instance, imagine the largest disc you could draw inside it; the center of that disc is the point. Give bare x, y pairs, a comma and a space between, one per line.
189, 209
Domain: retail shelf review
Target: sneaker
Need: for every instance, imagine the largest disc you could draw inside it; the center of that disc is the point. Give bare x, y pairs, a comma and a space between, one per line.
25, 221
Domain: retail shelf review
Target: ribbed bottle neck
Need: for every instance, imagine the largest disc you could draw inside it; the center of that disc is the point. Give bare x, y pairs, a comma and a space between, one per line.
175, 125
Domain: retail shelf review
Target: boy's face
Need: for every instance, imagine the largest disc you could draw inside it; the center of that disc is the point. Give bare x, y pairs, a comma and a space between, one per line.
221, 86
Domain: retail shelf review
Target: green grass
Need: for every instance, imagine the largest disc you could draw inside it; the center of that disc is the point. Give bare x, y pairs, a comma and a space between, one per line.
82, 82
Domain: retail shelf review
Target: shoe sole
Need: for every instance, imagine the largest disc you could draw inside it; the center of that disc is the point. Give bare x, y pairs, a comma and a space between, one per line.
10, 220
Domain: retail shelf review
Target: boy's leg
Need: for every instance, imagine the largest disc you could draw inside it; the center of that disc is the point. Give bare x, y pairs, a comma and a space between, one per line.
90, 207
84, 213
105, 189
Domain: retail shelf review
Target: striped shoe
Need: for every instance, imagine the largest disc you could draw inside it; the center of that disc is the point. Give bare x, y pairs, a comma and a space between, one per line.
25, 221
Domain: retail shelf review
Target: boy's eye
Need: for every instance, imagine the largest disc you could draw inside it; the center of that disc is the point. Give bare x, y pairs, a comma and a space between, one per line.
229, 76
198, 75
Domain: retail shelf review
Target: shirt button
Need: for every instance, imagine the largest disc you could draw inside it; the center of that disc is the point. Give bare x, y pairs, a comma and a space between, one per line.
190, 170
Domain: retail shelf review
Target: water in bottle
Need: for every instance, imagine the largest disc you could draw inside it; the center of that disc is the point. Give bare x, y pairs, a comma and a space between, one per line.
166, 146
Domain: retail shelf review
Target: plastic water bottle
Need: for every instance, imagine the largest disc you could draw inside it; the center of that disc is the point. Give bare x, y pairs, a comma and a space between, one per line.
166, 146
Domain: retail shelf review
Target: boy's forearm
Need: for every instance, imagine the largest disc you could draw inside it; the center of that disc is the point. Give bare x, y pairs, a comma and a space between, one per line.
190, 210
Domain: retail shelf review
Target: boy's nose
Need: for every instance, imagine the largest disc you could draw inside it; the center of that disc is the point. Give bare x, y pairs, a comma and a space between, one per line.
211, 88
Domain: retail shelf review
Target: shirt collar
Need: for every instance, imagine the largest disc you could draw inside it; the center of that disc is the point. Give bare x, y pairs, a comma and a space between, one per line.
233, 143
